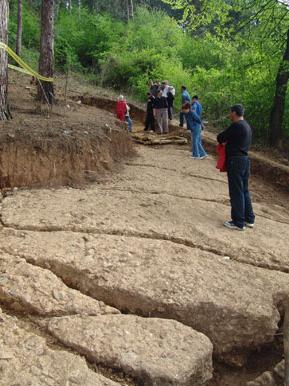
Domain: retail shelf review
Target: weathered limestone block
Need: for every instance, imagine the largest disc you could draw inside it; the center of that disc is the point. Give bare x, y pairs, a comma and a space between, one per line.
26, 360
156, 352
195, 222
233, 304
34, 290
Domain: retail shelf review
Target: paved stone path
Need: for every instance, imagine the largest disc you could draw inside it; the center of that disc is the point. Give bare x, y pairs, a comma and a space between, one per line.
147, 242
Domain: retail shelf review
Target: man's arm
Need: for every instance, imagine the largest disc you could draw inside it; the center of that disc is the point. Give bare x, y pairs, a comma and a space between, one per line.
225, 135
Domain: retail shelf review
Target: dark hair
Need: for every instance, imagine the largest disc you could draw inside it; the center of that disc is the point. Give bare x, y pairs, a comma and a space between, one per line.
238, 109
184, 87
195, 97
186, 106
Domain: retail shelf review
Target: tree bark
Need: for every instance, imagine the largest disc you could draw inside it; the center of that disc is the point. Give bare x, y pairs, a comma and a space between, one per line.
79, 9
19, 29
46, 60
286, 342
130, 8
4, 15
278, 108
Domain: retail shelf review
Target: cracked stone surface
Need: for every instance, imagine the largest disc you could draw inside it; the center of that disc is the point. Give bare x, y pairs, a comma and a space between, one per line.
150, 241
34, 290
153, 351
161, 278
140, 214
26, 360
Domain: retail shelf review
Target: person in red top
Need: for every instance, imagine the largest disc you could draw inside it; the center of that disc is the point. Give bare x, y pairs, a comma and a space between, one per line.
121, 108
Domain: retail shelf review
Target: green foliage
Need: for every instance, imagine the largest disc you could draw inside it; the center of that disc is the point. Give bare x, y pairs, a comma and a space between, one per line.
224, 50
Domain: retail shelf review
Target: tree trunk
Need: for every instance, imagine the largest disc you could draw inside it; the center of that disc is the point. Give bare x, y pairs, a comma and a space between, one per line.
130, 9
19, 29
278, 108
286, 342
69, 5
46, 60
4, 15
79, 9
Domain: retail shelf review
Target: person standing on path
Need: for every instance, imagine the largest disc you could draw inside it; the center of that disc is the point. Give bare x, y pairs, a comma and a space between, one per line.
128, 118
185, 98
161, 113
238, 139
171, 97
194, 124
196, 106
150, 120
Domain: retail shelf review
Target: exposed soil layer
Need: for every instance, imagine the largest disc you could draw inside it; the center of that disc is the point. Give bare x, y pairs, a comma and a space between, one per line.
69, 145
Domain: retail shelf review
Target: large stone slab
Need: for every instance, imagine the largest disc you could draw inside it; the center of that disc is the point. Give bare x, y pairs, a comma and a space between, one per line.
183, 220
34, 290
233, 304
26, 360
153, 351
155, 180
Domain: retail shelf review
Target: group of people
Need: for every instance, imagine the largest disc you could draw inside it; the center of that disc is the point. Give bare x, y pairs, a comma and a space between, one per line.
236, 139
160, 103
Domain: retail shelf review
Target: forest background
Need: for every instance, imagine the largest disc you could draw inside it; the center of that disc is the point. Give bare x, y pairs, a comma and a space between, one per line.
228, 53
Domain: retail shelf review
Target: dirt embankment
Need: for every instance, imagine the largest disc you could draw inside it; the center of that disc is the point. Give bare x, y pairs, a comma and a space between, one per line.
71, 144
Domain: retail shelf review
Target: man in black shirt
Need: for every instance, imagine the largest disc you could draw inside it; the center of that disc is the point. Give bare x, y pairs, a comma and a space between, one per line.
150, 120
238, 140
161, 113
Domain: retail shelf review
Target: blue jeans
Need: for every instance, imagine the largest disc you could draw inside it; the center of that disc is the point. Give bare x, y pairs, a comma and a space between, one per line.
197, 147
129, 123
238, 177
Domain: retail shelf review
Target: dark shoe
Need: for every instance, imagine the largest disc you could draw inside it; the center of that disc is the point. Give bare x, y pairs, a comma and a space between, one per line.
231, 225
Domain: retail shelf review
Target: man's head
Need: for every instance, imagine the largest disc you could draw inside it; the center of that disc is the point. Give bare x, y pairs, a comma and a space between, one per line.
195, 98
183, 88
237, 113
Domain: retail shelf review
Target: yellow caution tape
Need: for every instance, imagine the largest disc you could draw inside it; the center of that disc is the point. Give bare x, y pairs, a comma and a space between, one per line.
19, 69
25, 68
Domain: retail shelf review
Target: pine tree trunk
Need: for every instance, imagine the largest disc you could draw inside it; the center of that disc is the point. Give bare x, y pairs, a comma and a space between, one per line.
46, 60
69, 5
130, 9
4, 15
278, 108
79, 9
19, 29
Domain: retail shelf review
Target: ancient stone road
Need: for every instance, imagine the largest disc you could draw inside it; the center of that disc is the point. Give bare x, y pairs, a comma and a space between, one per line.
148, 243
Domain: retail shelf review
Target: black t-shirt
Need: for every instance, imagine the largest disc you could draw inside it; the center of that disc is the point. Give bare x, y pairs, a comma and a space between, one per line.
170, 98
150, 104
161, 103
238, 138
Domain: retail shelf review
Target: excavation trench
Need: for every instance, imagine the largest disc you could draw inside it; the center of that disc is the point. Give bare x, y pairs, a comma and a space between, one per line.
79, 158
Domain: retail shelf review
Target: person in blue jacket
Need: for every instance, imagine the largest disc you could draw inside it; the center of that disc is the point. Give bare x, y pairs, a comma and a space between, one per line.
194, 124
185, 98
